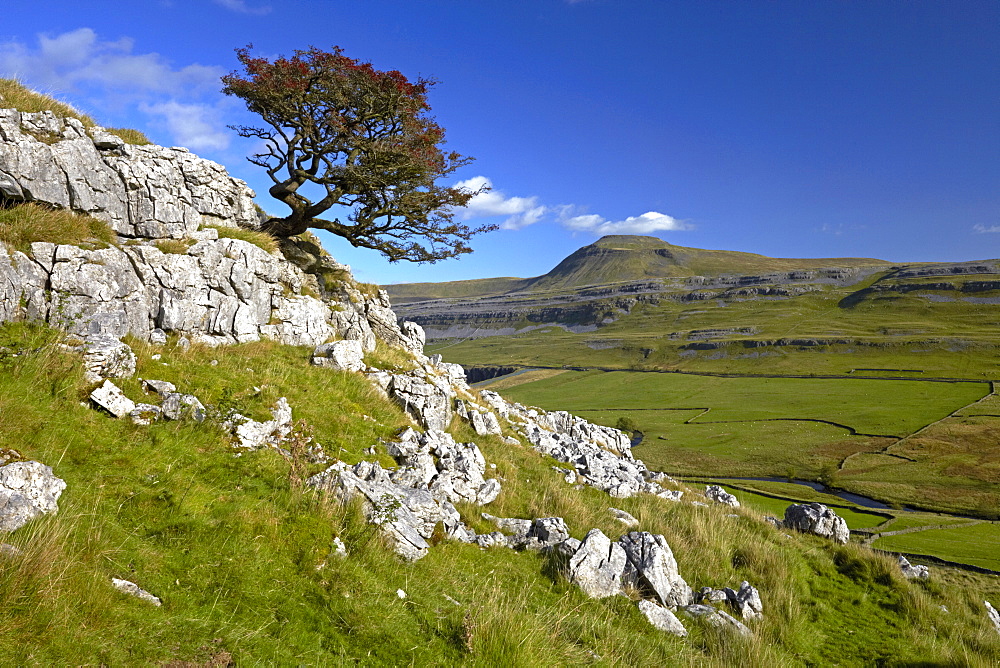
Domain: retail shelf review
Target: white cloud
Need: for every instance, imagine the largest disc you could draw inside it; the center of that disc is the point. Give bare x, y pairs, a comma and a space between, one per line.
191, 125
185, 101
79, 58
520, 211
982, 229
647, 223
241, 7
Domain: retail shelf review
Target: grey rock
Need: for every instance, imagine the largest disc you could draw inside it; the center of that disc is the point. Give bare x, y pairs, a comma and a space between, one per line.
145, 414
492, 539
338, 549
913, 572
27, 490
652, 569
746, 602
817, 519
428, 403
161, 387
107, 357
624, 517
483, 421
110, 397
340, 356
597, 565
178, 406
719, 495
662, 618
716, 618
412, 337
992, 615
158, 337
132, 589
253, 435
707, 594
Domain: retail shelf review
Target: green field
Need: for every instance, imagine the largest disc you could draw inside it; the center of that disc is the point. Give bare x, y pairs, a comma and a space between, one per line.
975, 544
800, 428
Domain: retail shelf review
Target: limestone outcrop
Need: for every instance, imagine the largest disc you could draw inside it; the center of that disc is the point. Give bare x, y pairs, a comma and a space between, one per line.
140, 191
27, 490
817, 519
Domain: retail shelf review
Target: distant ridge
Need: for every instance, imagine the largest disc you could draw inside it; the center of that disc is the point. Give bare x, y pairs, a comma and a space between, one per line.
621, 258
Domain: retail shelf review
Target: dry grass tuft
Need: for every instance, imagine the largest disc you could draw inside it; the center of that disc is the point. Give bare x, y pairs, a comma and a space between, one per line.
15, 95
259, 239
23, 224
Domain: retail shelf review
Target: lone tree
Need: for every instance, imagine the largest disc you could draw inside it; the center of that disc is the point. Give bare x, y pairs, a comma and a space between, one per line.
360, 139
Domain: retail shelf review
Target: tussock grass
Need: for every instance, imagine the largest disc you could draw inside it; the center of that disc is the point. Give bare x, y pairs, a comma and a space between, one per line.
174, 246
23, 224
15, 95
260, 239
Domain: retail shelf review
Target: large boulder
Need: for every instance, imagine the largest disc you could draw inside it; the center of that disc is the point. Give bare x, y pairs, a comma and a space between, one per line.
719, 495
817, 519
651, 567
27, 490
597, 565
340, 355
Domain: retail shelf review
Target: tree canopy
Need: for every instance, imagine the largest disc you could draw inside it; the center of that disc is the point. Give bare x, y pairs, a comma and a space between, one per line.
362, 139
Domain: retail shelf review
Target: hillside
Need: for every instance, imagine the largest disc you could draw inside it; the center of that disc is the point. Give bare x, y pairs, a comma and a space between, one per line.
217, 448
621, 259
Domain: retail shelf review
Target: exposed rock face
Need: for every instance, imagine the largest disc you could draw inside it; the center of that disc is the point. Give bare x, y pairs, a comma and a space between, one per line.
913, 572
992, 615
818, 519
746, 602
107, 357
141, 191
27, 490
597, 565
132, 589
410, 501
719, 495
651, 567
716, 618
340, 355
662, 618
217, 291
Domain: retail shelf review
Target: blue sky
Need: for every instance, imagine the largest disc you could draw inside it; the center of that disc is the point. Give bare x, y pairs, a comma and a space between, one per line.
791, 129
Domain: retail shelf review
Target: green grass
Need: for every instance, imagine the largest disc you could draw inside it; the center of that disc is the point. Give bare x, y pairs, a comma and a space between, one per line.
262, 240
975, 544
15, 95
24, 224
240, 553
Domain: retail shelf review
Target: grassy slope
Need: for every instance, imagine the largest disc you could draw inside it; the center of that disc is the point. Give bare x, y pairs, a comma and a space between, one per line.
239, 552
619, 258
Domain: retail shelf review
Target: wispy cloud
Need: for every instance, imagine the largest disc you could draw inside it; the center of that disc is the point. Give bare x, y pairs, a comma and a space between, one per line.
982, 229
519, 211
241, 7
647, 223
191, 125
184, 100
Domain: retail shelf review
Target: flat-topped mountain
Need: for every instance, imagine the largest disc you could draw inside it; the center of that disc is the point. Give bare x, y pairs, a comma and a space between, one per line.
624, 258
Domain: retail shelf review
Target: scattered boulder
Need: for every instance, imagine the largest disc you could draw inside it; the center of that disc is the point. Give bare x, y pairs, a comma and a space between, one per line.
344, 355
716, 618
27, 490
709, 595
624, 517
719, 495
911, 572
597, 565
253, 435
817, 519
145, 414
651, 568
483, 421
992, 615
746, 602
178, 406
662, 618
161, 387
132, 589
107, 357
110, 397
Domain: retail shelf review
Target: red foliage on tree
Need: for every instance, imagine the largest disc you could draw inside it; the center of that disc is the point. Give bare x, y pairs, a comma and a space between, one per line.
364, 137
